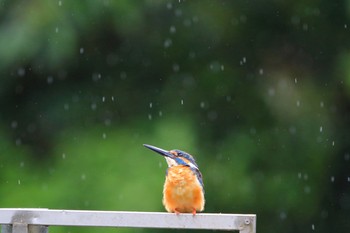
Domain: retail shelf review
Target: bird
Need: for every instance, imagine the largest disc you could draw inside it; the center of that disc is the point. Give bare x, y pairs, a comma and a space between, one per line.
183, 190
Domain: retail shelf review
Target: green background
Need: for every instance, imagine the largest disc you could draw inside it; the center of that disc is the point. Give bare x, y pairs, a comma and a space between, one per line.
257, 91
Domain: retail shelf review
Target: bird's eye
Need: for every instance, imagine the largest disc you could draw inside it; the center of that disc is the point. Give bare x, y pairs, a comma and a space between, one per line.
179, 154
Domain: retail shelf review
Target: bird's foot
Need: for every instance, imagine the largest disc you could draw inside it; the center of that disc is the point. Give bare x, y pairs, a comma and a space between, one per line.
194, 212
176, 212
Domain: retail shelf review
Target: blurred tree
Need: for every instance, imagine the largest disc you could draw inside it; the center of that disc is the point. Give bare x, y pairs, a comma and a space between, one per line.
257, 91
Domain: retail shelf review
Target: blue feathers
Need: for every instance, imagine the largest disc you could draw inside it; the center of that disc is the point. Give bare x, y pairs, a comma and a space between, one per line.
194, 169
187, 156
199, 176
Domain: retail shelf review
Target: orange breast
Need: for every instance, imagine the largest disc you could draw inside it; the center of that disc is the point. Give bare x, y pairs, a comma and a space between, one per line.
182, 191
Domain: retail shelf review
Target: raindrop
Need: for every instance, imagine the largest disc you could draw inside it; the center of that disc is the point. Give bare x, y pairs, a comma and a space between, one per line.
56, 29
112, 98
215, 66
313, 227
182, 102
176, 67
83, 176
234, 21
172, 29
252, 130
295, 20
103, 99
60, 3
243, 61
96, 77
348, 178
21, 72
321, 129
104, 135
283, 215
187, 22
63, 156
212, 115
321, 104
123, 75
169, 6
19, 182
332, 179
271, 92
261, 71
222, 67
307, 189
49, 79
305, 27
31, 128
324, 213
192, 55
160, 113
292, 130
149, 117
202, 104
150, 105
112, 59
107, 122
21, 164
243, 18
81, 50
66, 107
299, 175
14, 124
333, 143
75, 98
295, 80
93, 106
298, 103
178, 12
345, 26
306, 177
18, 142
167, 43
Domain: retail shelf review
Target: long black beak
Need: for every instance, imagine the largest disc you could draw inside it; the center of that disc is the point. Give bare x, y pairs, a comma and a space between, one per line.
160, 151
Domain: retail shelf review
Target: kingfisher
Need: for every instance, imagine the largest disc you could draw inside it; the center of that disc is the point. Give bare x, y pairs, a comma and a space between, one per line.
183, 190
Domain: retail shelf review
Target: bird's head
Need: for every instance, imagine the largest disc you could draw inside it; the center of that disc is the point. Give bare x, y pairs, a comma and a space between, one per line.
175, 157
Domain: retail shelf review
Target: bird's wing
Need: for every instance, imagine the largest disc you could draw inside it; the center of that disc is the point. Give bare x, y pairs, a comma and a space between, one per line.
199, 176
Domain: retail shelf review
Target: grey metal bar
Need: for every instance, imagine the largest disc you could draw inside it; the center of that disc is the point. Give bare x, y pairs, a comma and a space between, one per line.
245, 223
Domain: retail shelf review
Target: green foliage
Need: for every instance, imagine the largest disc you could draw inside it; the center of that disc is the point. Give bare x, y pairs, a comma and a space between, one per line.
257, 91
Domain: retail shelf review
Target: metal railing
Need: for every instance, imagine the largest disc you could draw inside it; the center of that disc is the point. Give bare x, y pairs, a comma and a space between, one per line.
39, 220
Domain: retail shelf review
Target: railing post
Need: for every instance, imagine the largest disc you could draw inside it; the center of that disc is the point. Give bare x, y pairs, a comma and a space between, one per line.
6, 228
23, 228
19, 227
